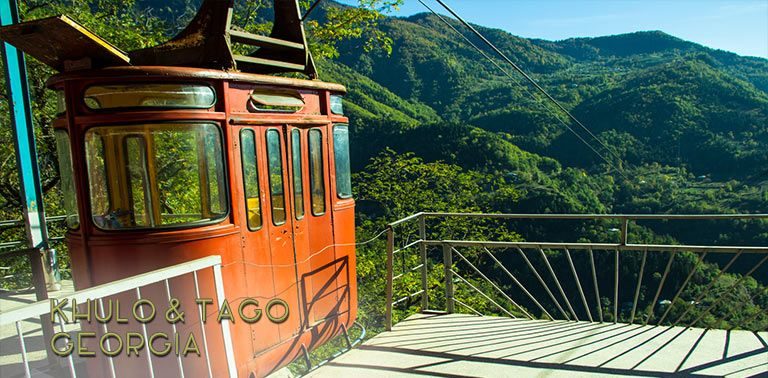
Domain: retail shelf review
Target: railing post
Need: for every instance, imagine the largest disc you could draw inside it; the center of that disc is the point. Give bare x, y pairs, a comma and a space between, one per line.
448, 264
226, 333
624, 230
423, 250
37, 261
390, 257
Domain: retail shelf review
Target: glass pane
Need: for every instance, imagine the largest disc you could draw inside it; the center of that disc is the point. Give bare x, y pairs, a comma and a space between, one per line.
61, 103
277, 101
317, 184
156, 175
275, 171
67, 179
341, 157
149, 96
138, 182
97, 173
178, 180
337, 106
251, 179
298, 190
215, 176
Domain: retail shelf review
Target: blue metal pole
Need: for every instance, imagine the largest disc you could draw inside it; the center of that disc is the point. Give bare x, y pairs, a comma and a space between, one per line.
33, 209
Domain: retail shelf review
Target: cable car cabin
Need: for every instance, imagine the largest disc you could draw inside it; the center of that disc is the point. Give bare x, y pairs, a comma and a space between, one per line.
163, 164
166, 165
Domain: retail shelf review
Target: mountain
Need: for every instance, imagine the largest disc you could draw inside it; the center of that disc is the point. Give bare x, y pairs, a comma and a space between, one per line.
435, 127
652, 97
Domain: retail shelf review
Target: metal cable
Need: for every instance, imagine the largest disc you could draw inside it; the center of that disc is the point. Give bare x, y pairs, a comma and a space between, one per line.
532, 81
309, 11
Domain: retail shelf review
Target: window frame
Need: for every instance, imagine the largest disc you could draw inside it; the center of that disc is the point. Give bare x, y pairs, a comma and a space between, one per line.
335, 162
146, 185
181, 226
254, 107
61, 102
282, 176
74, 193
319, 131
258, 179
294, 150
105, 170
339, 100
85, 106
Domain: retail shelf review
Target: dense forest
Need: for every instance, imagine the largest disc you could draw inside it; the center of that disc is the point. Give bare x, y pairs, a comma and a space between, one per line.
435, 127
686, 125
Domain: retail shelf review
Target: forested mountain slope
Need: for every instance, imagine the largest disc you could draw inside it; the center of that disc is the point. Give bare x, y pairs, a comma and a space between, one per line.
654, 97
689, 126
435, 127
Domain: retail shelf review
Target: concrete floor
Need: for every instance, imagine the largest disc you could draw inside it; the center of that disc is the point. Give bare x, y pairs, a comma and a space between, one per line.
10, 351
472, 346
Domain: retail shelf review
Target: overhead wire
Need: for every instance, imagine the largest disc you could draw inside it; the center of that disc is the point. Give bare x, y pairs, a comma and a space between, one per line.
516, 81
309, 11
526, 76
530, 79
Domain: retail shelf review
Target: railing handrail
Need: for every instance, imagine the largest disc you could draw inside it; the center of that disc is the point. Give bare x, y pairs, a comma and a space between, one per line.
589, 216
43, 307
408, 218
567, 310
601, 246
20, 222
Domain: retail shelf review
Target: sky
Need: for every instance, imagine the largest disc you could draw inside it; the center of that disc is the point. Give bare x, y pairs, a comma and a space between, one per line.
740, 26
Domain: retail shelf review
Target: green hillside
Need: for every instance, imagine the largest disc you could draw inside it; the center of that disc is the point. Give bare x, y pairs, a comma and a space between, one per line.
435, 127
654, 97
688, 122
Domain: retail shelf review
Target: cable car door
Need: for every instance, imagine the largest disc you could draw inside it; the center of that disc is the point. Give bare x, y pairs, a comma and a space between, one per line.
323, 301
257, 231
281, 232
297, 156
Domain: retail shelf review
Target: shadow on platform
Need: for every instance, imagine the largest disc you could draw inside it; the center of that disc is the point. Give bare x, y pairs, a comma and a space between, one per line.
472, 346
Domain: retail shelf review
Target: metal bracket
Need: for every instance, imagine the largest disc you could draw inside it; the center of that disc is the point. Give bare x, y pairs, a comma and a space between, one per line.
207, 42
350, 344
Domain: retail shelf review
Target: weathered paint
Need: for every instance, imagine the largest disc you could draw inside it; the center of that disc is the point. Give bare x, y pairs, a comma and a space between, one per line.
298, 261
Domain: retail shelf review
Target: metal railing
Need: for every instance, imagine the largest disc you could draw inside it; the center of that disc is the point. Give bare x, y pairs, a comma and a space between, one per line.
11, 224
134, 285
578, 281
43, 262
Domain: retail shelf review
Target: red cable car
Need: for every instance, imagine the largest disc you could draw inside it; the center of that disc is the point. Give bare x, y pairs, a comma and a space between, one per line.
186, 150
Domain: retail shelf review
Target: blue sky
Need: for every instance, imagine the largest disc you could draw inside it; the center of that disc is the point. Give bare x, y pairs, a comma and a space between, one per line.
740, 26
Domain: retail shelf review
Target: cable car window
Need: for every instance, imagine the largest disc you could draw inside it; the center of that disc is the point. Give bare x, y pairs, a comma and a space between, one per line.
138, 182
215, 175
316, 182
97, 171
149, 96
298, 189
279, 101
156, 175
341, 157
61, 103
251, 179
275, 171
64, 153
337, 106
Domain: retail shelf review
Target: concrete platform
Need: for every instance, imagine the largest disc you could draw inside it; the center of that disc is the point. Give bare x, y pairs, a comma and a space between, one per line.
473, 346
10, 351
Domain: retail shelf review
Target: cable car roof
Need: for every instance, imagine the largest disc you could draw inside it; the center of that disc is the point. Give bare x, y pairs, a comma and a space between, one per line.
131, 73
